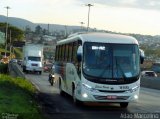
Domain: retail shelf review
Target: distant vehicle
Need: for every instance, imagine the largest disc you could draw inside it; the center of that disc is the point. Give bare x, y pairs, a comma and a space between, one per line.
99, 67
32, 58
13, 61
51, 75
148, 74
19, 62
156, 67
47, 67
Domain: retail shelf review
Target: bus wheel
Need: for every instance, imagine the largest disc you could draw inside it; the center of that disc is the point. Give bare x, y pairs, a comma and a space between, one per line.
124, 104
24, 69
62, 93
75, 101
40, 72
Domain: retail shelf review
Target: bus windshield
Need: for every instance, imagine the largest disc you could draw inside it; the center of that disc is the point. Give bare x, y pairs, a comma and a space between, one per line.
34, 58
111, 61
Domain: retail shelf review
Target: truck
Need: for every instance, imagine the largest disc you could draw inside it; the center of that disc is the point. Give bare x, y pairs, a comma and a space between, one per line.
32, 58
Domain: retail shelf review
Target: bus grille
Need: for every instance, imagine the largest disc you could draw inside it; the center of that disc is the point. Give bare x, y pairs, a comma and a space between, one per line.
105, 97
109, 91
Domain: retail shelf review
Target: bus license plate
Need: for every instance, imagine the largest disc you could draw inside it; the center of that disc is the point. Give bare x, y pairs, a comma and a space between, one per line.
111, 97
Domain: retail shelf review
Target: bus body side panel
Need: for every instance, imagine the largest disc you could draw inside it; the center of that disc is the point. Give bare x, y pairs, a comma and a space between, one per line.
60, 75
72, 77
67, 73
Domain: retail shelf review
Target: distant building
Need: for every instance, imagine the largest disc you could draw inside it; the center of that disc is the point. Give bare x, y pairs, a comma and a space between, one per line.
2, 38
49, 38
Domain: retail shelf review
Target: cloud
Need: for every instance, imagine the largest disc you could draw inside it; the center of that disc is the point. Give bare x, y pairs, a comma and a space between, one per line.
141, 4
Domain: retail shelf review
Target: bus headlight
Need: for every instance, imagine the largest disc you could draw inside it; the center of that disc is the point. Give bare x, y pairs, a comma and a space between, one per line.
85, 95
135, 96
87, 87
40, 65
134, 89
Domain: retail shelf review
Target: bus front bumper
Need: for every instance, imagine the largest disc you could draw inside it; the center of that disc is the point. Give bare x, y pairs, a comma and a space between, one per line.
88, 96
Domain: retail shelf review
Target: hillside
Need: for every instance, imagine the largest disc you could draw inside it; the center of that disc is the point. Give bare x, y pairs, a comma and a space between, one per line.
22, 23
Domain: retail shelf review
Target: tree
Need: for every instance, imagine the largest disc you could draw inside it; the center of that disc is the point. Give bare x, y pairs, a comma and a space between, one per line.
45, 32
27, 30
38, 30
16, 33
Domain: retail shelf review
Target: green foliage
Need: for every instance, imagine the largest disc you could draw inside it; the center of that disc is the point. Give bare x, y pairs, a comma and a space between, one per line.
28, 30
150, 51
3, 50
3, 68
18, 52
38, 30
16, 97
16, 33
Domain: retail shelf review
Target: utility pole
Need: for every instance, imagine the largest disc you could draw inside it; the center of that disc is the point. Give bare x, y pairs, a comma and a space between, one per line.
66, 31
48, 30
82, 25
7, 7
10, 45
89, 5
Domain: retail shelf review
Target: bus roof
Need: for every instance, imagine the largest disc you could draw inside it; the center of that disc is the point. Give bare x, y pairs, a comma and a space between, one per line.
100, 37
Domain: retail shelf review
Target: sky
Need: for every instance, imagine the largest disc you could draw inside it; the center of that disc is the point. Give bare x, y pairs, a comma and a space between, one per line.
125, 16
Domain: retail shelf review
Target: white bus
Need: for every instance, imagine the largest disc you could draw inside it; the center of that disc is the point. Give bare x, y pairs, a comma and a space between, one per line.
99, 67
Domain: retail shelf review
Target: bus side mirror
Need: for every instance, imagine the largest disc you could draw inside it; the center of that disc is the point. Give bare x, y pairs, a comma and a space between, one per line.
79, 54
141, 56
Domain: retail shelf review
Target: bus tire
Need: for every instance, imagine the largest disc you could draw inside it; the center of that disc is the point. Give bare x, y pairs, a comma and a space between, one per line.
24, 69
40, 72
75, 101
62, 93
124, 104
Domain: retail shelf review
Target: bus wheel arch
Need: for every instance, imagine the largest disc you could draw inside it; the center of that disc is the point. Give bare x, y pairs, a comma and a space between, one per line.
62, 93
75, 100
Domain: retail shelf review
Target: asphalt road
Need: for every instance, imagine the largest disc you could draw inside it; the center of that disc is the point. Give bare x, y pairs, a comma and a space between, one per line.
55, 106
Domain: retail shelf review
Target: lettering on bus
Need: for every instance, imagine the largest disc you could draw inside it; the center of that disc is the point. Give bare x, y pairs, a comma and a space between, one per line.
124, 87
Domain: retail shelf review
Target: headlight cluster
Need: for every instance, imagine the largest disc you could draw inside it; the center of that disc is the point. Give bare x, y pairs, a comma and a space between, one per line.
28, 64
40, 64
134, 89
87, 87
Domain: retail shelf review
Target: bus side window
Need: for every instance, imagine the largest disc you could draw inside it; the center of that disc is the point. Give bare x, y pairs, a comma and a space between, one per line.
70, 52
67, 54
63, 52
74, 58
60, 56
56, 56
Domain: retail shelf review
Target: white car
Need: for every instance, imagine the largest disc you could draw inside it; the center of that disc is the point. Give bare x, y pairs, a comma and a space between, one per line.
148, 74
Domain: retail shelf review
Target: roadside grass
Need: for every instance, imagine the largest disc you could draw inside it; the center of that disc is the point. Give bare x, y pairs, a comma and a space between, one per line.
16, 97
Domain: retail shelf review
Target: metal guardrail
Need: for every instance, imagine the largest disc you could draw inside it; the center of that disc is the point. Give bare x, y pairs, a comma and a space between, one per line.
14, 67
